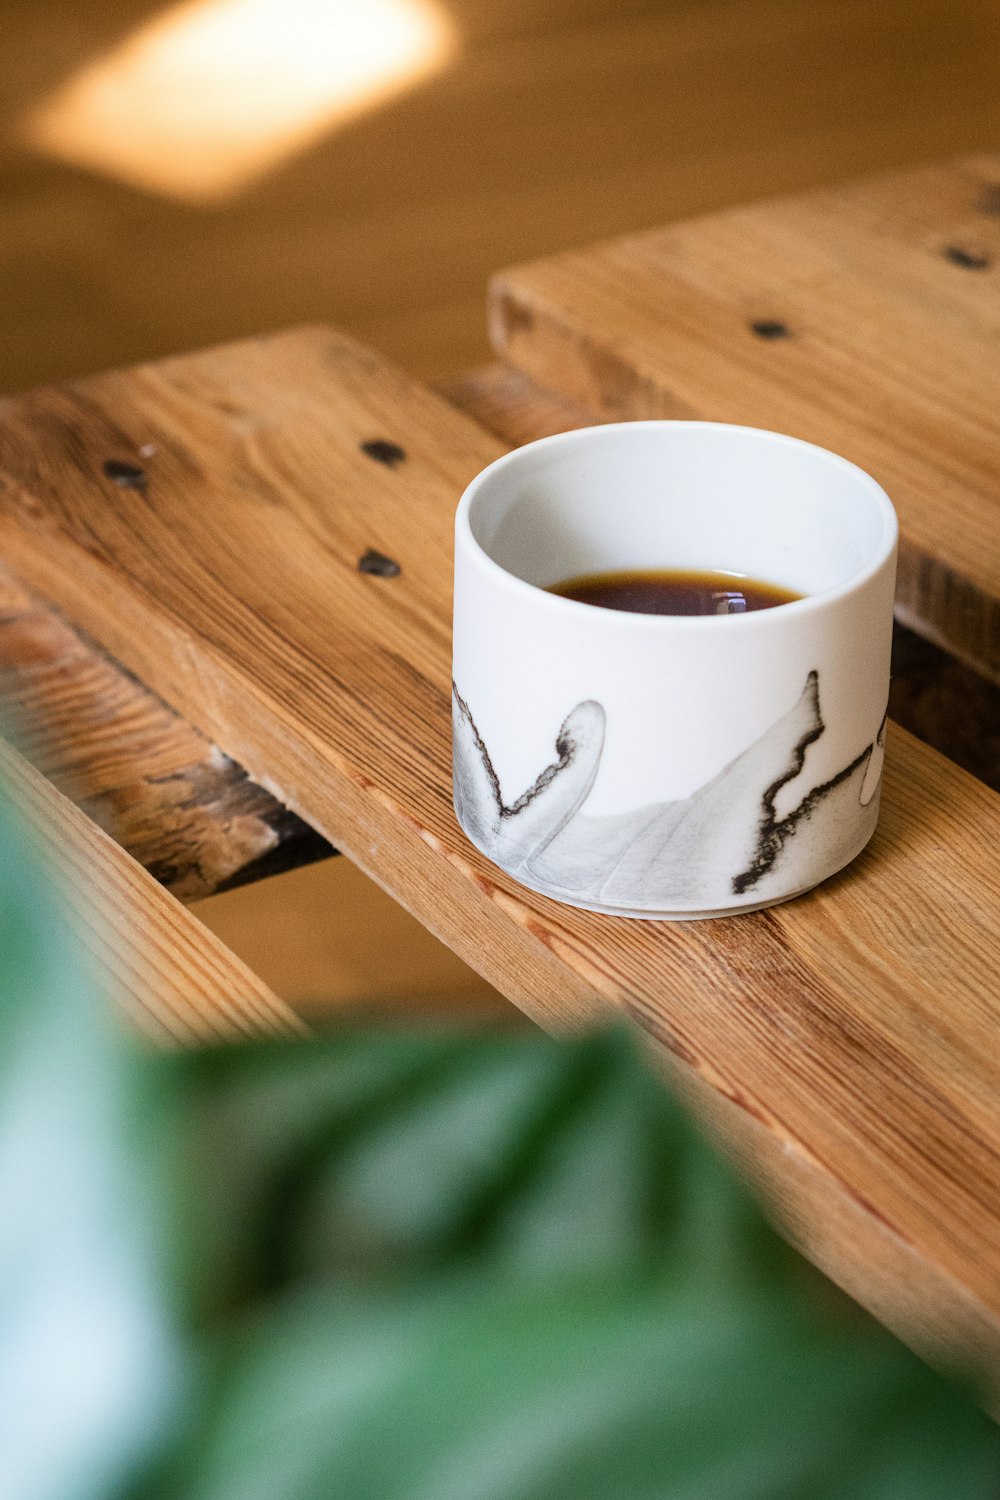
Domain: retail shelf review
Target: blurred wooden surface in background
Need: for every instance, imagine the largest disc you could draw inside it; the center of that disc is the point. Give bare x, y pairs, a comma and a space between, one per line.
330, 941
556, 122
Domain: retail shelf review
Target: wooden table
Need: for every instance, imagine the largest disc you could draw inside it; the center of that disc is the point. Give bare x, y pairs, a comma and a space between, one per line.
199, 525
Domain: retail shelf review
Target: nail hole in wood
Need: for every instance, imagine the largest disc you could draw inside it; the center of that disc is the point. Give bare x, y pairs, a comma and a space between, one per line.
384, 452
378, 564
127, 476
770, 328
989, 200
967, 259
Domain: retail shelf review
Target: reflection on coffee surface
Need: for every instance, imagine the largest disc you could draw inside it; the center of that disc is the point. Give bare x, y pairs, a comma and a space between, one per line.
674, 591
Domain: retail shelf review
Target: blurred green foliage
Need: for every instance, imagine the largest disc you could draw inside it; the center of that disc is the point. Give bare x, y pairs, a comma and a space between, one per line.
408, 1265
91, 1362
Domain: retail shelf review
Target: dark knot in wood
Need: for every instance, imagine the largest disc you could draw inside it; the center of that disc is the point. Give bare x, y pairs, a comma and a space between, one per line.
127, 476
384, 452
770, 328
378, 564
969, 260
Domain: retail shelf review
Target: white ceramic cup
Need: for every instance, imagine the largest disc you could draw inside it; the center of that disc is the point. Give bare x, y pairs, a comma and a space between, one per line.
671, 766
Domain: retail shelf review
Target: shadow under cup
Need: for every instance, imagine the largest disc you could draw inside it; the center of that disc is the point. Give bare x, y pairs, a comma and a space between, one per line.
671, 766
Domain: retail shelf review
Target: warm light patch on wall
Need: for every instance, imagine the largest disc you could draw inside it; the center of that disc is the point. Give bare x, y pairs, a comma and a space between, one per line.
213, 93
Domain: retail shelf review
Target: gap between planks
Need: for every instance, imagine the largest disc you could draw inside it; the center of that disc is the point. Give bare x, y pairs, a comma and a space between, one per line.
154, 961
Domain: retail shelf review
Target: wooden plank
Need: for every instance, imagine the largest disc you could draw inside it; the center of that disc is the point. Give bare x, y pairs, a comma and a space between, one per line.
511, 405
182, 808
862, 317
849, 1035
153, 960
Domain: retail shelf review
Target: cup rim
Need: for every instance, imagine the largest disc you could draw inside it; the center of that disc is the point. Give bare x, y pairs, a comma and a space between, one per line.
632, 619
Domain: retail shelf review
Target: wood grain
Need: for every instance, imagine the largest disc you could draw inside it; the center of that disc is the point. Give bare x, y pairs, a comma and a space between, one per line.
511, 405
850, 1034
153, 960
556, 122
182, 808
862, 317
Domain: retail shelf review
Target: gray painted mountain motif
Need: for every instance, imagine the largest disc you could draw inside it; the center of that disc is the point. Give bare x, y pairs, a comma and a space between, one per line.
723, 846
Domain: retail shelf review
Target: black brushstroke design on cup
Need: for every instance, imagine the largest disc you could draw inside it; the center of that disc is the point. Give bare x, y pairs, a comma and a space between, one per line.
775, 831
515, 834
725, 841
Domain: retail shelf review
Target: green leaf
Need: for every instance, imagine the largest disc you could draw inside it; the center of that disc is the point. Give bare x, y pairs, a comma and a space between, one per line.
475, 1389
421, 1266
386, 1154
498, 1268
88, 1357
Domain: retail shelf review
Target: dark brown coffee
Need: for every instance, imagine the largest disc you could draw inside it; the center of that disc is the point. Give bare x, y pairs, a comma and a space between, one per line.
670, 591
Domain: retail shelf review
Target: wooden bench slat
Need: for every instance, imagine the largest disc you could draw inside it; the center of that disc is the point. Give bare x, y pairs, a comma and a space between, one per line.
154, 960
862, 317
849, 1035
512, 406
182, 808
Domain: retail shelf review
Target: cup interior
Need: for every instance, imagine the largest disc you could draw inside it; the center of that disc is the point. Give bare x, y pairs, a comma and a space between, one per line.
686, 495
